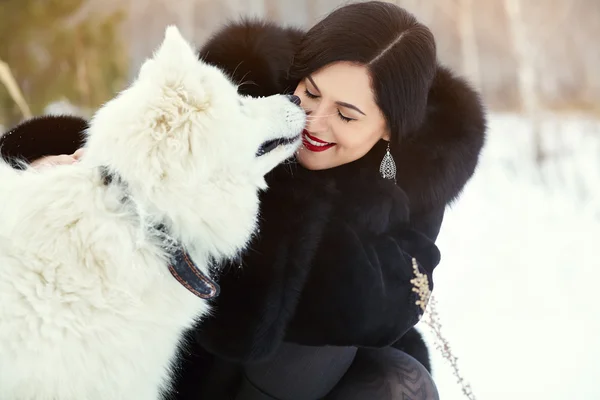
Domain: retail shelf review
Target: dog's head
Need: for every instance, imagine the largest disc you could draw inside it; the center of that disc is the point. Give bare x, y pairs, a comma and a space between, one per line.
192, 151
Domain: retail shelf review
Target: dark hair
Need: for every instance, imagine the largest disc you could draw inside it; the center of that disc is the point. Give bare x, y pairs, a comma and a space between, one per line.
399, 52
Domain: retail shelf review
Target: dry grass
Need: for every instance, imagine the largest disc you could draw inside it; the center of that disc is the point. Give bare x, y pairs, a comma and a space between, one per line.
12, 87
432, 320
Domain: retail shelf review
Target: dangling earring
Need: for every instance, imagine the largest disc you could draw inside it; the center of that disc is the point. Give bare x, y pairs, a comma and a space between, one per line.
387, 169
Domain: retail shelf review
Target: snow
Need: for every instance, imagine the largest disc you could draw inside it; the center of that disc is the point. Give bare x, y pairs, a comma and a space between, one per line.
65, 107
517, 288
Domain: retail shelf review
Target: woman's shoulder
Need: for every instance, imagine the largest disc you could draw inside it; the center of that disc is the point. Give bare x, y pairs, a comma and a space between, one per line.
255, 53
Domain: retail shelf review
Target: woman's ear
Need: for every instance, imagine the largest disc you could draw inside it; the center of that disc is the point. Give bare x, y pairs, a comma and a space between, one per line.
386, 136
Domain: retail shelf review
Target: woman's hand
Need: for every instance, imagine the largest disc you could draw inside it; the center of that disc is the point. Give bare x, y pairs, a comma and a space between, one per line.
63, 159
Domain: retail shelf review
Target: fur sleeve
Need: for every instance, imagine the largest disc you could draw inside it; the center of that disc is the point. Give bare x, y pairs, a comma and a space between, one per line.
359, 291
42, 136
255, 54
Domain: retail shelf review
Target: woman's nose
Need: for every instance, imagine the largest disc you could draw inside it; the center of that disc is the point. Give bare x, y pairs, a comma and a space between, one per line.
316, 121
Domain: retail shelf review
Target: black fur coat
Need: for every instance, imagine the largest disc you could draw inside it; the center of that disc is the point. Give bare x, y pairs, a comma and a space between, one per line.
332, 263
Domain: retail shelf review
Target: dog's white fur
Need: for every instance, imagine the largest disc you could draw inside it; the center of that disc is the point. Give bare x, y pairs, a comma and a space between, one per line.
88, 308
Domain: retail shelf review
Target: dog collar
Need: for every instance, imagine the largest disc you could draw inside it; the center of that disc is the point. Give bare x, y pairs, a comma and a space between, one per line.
191, 277
181, 265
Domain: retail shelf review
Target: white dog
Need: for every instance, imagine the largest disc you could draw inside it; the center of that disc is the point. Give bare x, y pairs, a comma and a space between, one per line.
97, 275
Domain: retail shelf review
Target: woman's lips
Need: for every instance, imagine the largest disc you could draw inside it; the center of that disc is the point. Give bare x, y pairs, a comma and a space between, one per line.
314, 144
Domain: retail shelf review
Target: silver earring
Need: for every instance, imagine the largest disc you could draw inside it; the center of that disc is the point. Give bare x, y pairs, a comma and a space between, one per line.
387, 169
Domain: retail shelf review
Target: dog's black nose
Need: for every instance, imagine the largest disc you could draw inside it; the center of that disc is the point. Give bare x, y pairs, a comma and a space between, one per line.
294, 99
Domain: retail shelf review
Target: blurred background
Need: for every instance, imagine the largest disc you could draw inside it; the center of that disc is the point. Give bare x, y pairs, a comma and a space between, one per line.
522, 54
516, 288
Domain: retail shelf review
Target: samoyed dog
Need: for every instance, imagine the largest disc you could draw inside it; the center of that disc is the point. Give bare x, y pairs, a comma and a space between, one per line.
104, 264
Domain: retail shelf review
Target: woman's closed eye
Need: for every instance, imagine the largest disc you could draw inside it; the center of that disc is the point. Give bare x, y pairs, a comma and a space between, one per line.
314, 96
344, 118
309, 94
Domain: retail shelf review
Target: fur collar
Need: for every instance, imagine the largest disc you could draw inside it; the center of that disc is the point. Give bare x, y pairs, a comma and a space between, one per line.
435, 163
356, 194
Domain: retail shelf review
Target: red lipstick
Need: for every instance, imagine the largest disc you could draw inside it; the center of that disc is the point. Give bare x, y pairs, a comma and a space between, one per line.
314, 144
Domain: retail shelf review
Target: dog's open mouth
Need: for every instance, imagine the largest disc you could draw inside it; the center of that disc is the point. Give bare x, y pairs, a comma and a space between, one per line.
271, 145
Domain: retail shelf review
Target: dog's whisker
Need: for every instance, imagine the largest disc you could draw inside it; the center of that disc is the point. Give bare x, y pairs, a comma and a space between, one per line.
243, 82
247, 83
236, 68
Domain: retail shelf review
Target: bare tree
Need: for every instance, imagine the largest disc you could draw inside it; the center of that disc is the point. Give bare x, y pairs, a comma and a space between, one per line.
521, 45
469, 46
526, 72
272, 9
312, 11
185, 16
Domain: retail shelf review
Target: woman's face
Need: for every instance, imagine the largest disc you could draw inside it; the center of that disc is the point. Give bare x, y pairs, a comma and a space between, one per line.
343, 122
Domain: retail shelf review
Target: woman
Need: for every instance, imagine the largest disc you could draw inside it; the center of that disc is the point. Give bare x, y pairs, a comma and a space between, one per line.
321, 303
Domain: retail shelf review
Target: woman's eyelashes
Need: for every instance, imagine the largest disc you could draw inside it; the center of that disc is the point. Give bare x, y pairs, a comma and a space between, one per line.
309, 94
344, 118
314, 96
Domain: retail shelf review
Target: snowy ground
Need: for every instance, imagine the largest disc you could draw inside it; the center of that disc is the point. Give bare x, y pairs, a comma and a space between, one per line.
517, 288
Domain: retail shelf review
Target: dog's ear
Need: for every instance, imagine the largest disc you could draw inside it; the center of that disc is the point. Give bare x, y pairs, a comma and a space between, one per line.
174, 57
175, 51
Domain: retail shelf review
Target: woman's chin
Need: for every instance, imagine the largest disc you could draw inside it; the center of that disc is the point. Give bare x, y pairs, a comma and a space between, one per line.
313, 161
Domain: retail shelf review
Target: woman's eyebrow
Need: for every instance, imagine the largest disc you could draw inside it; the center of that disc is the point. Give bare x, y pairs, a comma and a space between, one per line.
348, 105
313, 83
